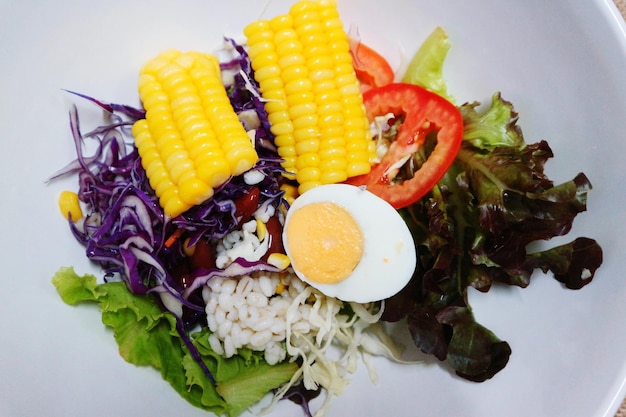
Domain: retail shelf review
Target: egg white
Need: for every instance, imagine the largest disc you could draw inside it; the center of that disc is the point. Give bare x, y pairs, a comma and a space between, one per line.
389, 258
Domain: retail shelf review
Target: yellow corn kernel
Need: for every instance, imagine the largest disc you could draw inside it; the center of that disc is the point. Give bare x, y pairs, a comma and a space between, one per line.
310, 159
294, 72
266, 73
261, 230
191, 187
354, 147
239, 158
284, 131
280, 287
330, 176
357, 156
170, 199
333, 143
280, 22
308, 174
188, 250
69, 205
333, 164
358, 168
289, 163
306, 121
286, 151
213, 169
329, 150
344, 64
191, 140
301, 106
289, 45
290, 200
303, 188
318, 59
279, 260
308, 142
278, 117
289, 190
261, 49
260, 35
300, 88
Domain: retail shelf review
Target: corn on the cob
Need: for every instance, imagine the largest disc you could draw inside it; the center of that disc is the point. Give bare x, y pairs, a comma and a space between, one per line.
304, 69
191, 140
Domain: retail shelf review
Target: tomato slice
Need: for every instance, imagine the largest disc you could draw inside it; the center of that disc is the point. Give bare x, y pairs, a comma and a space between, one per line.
371, 68
424, 112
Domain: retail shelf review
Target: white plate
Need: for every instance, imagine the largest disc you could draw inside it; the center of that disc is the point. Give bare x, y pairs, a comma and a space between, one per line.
560, 62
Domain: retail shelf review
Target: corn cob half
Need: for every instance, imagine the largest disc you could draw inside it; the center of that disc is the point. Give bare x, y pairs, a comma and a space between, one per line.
191, 140
303, 65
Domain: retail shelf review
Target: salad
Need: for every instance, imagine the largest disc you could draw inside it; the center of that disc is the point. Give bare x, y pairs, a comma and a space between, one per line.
179, 287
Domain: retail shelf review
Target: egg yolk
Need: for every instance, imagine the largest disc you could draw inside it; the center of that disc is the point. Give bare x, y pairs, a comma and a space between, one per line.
325, 242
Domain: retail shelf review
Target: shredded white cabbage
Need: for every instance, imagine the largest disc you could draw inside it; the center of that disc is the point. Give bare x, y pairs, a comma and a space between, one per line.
333, 353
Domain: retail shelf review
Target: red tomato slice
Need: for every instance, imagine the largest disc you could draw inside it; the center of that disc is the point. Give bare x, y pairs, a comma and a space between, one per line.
371, 68
424, 112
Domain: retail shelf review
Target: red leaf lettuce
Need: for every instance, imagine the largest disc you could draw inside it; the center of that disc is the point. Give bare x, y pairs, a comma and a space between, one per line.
475, 229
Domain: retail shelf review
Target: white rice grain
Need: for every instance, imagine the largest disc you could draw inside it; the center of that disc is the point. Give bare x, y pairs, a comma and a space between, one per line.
212, 322
225, 300
216, 344
274, 353
267, 286
220, 315
259, 339
262, 325
245, 285
257, 299
245, 336
229, 347
224, 329
247, 312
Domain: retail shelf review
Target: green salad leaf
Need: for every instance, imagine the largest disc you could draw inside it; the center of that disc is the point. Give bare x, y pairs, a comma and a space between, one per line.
426, 66
147, 336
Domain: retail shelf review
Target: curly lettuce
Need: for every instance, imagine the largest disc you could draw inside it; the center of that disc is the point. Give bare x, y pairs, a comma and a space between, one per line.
475, 229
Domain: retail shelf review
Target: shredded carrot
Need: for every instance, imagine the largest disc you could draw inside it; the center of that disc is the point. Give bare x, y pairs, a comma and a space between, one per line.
173, 237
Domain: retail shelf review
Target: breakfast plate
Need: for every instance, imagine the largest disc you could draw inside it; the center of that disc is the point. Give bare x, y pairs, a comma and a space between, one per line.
562, 65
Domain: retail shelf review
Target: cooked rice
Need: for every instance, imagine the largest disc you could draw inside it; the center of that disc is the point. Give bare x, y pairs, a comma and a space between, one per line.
247, 312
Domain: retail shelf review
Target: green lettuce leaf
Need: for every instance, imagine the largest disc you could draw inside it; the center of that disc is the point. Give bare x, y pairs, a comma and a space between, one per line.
148, 336
426, 66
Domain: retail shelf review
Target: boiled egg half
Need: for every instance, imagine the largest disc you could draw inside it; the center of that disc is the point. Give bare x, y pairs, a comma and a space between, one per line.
348, 243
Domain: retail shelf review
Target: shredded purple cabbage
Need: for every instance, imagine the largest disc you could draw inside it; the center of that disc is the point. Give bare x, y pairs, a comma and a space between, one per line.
125, 230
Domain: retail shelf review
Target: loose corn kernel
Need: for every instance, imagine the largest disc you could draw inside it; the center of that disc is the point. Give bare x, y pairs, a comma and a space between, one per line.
312, 94
70, 206
279, 260
191, 140
280, 287
261, 230
188, 250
